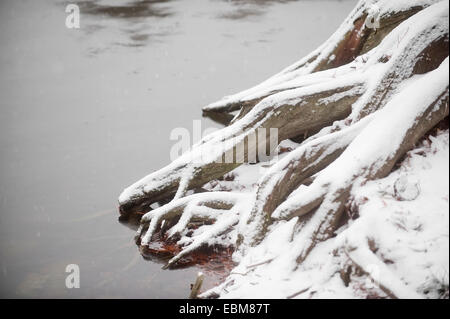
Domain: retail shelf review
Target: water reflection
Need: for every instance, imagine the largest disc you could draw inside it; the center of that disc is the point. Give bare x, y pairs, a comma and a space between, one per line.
128, 10
131, 18
142, 22
244, 9
76, 129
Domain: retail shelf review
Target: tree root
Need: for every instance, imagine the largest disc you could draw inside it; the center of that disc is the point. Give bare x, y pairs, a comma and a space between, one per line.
294, 170
355, 39
330, 190
315, 155
352, 97
207, 160
220, 209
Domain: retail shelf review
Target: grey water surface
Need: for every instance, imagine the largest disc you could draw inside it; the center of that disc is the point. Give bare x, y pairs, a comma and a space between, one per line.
86, 112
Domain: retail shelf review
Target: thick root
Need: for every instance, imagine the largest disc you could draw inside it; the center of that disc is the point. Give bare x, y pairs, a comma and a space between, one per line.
354, 101
294, 170
330, 190
218, 210
216, 154
309, 158
354, 40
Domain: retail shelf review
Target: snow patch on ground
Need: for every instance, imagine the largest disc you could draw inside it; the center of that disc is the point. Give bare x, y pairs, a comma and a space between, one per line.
410, 225
401, 231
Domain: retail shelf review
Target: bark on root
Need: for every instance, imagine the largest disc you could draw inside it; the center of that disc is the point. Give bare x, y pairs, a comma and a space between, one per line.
328, 219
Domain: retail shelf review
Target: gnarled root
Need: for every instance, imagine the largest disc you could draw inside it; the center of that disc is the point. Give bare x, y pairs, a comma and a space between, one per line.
218, 210
355, 100
323, 148
217, 154
352, 39
404, 123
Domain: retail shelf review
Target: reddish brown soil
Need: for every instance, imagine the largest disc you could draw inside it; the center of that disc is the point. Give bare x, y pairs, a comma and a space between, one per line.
215, 262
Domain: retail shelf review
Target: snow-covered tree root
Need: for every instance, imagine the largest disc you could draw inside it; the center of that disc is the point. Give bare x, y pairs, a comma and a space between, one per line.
404, 121
363, 259
360, 102
323, 148
318, 105
305, 105
352, 39
218, 211
294, 170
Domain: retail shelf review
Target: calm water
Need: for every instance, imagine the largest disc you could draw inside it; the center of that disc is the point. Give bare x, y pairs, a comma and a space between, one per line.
84, 113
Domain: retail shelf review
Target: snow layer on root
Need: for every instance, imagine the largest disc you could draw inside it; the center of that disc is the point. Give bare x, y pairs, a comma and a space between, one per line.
410, 237
406, 41
417, 33
241, 179
319, 272
368, 70
389, 6
389, 124
306, 65
156, 216
221, 232
275, 173
300, 68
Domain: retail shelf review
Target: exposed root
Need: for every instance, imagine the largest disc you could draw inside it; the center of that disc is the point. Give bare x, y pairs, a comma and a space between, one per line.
220, 211
354, 103
350, 41
294, 170
331, 188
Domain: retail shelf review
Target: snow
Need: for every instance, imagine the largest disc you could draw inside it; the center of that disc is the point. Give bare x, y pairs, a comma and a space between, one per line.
415, 33
390, 124
303, 67
394, 245
411, 236
413, 233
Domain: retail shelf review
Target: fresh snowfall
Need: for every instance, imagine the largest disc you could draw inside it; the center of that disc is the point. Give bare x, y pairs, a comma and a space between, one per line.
356, 204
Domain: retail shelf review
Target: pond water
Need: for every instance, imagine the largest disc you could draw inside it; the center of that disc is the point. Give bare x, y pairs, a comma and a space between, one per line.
85, 112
